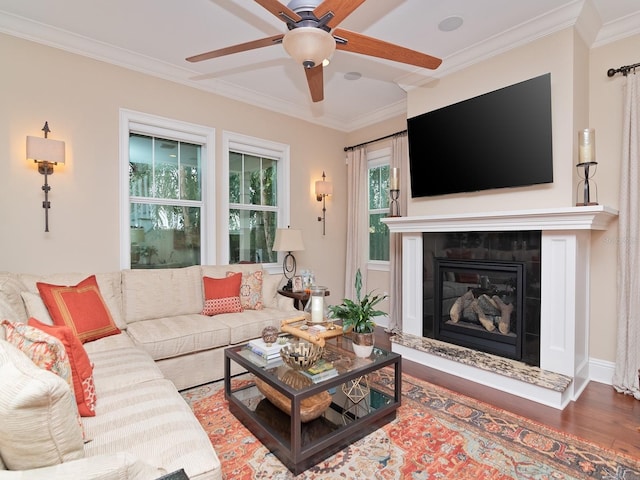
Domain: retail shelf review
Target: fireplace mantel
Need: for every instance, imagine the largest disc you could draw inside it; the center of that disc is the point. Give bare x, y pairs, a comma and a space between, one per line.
564, 334
595, 217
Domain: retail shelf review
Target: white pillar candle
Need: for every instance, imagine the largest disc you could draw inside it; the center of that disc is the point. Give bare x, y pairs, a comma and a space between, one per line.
317, 309
586, 145
395, 178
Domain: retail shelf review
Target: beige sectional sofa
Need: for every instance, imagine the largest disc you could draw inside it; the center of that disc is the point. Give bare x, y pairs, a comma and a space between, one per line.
142, 428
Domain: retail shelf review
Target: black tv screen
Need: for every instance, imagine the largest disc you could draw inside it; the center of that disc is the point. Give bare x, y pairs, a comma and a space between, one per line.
496, 140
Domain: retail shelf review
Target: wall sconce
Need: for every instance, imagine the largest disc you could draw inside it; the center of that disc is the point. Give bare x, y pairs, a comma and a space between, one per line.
288, 240
323, 189
46, 153
586, 159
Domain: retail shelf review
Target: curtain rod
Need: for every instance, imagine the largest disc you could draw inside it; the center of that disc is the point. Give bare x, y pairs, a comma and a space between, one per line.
625, 69
402, 132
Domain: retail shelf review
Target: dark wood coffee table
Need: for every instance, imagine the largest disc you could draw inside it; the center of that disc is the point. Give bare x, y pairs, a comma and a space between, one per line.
301, 445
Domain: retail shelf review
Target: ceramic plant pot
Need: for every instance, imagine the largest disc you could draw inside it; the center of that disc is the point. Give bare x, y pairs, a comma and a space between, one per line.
363, 344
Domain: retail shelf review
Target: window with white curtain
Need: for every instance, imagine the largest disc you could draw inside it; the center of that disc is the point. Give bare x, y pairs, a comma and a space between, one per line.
166, 208
379, 162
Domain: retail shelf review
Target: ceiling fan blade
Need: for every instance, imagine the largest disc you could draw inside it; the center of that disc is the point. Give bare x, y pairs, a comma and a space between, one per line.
241, 47
341, 9
279, 10
315, 79
373, 47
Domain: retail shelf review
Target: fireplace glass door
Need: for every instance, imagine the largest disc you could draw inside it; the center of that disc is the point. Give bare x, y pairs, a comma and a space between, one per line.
479, 304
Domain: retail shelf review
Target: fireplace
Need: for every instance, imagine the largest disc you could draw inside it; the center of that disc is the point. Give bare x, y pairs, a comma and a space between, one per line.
479, 305
563, 287
482, 291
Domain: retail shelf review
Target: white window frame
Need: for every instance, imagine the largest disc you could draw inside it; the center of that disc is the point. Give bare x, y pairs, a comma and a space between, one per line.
280, 152
146, 124
376, 158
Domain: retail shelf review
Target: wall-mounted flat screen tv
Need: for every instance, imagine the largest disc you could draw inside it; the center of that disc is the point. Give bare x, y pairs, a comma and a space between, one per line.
496, 140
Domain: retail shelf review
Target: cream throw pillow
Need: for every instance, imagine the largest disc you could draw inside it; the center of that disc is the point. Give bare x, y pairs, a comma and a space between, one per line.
36, 308
31, 398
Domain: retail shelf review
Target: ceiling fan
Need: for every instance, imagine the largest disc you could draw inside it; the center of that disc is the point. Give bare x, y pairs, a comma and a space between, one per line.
313, 37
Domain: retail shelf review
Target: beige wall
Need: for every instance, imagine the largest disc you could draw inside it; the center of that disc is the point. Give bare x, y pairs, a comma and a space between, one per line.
81, 98
582, 96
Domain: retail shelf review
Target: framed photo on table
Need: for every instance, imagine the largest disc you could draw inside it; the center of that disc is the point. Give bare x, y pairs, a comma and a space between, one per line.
297, 285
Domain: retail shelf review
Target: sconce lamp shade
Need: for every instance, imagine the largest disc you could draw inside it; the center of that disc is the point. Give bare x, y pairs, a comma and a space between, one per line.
45, 150
323, 188
309, 46
288, 240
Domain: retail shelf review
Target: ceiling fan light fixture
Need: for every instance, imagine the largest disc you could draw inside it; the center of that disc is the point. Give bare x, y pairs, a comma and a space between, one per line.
309, 46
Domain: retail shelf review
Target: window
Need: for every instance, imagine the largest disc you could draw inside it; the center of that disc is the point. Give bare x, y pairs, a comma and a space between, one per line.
378, 189
257, 173
164, 167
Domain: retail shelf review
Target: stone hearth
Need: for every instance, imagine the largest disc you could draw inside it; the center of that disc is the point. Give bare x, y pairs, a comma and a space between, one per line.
564, 329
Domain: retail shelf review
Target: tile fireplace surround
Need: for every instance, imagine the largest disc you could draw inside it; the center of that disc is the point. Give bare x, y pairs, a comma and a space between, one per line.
564, 329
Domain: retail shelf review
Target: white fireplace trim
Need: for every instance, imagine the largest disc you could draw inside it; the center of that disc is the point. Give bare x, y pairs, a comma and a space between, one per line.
564, 341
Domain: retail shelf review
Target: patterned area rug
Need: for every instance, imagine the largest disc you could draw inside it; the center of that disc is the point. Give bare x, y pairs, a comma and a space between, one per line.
437, 434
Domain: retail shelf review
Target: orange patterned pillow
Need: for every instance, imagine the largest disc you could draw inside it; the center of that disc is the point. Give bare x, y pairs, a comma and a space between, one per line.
222, 295
251, 290
81, 367
80, 307
45, 350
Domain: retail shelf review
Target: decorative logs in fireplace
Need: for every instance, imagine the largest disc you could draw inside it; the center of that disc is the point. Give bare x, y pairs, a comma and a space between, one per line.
486, 310
480, 304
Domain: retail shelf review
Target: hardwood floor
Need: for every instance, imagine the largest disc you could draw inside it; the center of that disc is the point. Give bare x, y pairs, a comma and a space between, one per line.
600, 415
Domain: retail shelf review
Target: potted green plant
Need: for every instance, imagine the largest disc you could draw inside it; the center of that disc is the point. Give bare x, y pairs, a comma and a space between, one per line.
357, 316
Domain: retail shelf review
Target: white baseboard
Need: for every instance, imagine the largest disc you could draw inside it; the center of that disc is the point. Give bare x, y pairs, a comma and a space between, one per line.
601, 371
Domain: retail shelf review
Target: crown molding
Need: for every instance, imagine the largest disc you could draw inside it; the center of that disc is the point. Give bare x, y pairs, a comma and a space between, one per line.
559, 19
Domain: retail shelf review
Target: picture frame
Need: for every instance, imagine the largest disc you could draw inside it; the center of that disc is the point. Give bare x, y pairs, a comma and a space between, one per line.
297, 285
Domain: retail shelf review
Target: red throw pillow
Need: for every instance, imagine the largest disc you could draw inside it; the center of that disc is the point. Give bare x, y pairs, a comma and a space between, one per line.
81, 369
80, 307
222, 295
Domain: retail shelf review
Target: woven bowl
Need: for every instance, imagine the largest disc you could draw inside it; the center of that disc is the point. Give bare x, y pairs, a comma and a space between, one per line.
301, 355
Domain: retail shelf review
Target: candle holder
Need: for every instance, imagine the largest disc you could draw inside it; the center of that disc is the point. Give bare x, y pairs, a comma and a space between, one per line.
316, 309
586, 160
394, 207
584, 185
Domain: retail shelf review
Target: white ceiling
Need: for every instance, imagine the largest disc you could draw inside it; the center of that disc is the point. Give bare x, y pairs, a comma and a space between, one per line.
155, 37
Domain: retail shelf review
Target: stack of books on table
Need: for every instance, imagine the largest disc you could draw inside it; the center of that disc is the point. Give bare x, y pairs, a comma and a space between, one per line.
259, 353
321, 370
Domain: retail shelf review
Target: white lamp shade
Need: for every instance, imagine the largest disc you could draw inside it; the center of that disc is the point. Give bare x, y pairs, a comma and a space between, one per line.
288, 240
45, 150
324, 188
309, 46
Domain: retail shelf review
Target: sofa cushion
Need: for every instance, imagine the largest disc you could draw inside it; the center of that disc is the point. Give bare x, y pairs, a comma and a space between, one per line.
222, 295
35, 307
117, 466
83, 383
10, 288
167, 337
122, 367
80, 307
270, 285
153, 422
250, 323
31, 397
159, 293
